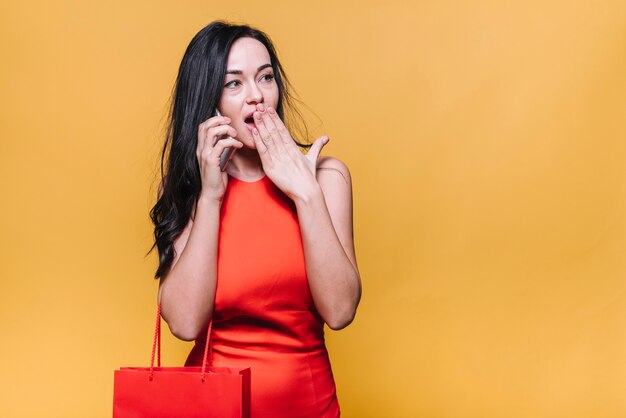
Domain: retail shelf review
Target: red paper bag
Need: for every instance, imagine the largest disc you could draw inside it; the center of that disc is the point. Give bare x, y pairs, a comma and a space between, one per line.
189, 392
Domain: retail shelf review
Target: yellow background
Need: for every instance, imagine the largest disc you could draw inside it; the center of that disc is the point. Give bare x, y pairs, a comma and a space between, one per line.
486, 143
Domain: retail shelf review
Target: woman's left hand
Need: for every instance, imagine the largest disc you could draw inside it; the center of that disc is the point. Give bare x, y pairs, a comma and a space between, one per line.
289, 169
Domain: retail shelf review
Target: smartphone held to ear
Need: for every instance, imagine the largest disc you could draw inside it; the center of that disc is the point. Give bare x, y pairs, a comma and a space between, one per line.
227, 154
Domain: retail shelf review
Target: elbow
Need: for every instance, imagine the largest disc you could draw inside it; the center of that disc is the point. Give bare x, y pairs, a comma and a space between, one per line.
185, 330
344, 314
340, 323
341, 319
184, 333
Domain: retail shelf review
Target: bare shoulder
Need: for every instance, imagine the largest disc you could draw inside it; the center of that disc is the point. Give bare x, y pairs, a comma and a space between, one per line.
330, 170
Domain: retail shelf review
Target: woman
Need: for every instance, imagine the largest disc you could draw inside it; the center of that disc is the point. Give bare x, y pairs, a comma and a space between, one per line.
264, 249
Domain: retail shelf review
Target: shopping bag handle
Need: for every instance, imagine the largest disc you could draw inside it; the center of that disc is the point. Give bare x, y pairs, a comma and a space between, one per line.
156, 346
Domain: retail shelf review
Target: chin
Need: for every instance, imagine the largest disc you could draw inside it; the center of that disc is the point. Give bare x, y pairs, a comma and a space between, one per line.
247, 143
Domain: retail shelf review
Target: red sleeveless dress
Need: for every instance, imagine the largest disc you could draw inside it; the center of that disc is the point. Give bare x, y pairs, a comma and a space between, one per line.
264, 316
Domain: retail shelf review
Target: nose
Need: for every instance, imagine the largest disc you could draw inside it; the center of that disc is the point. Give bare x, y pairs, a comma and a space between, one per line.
255, 95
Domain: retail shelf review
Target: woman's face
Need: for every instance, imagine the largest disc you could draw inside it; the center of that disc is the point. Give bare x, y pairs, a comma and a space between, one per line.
249, 81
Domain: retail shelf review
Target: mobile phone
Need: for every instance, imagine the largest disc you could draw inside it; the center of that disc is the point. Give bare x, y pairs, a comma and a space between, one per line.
227, 154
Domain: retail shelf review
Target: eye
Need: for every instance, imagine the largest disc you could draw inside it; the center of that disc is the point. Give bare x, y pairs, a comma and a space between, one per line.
268, 77
231, 84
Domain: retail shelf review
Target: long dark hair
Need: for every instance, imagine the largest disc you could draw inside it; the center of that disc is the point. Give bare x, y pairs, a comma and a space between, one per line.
197, 92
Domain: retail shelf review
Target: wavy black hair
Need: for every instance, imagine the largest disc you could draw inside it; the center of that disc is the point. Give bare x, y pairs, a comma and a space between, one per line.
196, 94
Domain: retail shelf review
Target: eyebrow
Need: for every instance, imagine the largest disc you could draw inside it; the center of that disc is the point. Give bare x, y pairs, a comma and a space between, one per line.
241, 72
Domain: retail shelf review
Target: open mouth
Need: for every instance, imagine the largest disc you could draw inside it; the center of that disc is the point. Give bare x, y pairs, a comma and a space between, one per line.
249, 121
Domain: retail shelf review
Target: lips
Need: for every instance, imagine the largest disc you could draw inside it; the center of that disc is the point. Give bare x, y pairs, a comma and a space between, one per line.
249, 121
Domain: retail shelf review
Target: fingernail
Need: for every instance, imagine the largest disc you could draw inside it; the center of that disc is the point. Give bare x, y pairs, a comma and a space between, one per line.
257, 115
262, 107
271, 110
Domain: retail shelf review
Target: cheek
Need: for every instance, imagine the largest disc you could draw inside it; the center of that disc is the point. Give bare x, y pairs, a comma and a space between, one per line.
273, 98
228, 106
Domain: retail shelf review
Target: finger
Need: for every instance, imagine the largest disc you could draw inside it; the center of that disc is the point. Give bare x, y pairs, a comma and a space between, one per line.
216, 120
260, 146
280, 126
222, 144
317, 146
213, 155
215, 134
263, 132
204, 127
210, 123
271, 128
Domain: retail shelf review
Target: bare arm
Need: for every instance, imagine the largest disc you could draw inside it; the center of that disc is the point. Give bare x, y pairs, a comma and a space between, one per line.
187, 290
325, 216
323, 200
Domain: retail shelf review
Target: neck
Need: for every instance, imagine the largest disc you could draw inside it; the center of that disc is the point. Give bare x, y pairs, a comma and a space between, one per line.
246, 165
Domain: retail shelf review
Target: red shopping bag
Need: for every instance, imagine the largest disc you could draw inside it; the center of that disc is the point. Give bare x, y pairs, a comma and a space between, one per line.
168, 392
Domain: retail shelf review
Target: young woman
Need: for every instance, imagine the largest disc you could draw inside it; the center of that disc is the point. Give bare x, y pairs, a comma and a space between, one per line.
265, 248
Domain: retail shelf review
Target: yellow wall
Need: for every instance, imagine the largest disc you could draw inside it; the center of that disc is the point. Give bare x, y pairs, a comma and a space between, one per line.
487, 145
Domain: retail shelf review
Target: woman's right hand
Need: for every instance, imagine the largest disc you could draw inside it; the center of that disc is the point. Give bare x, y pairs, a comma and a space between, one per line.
208, 152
